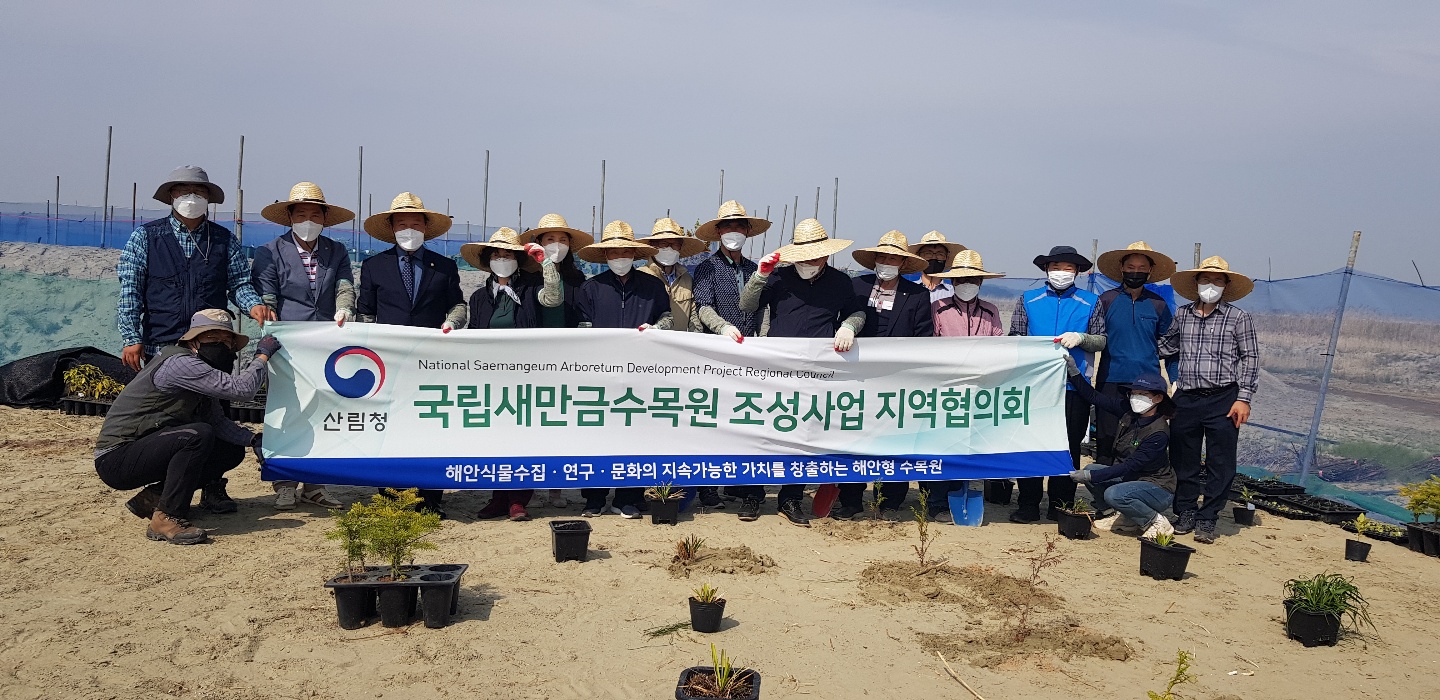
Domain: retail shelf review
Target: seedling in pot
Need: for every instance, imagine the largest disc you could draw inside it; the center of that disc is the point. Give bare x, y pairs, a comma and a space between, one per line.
1423, 498
88, 381
707, 594
1164, 539
397, 530
350, 532
1248, 497
922, 528
1331, 595
664, 492
688, 549
725, 679
1077, 507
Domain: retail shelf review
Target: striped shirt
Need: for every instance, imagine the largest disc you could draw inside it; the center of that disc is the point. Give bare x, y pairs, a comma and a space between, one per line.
1212, 351
311, 263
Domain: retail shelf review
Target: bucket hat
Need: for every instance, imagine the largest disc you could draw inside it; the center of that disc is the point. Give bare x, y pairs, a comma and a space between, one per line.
214, 320
731, 211
1111, 262
554, 222
189, 175
305, 193
1063, 253
617, 234
892, 243
666, 229
967, 263
504, 238
1186, 286
810, 242
379, 227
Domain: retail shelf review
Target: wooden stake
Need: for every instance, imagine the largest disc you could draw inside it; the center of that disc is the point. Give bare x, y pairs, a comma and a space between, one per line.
957, 677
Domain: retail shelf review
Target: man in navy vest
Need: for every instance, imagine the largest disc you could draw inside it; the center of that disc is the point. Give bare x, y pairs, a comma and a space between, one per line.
173, 267
410, 285
1071, 316
1136, 318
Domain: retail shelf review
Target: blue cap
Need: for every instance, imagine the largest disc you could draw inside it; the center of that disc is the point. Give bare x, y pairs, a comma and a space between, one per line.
1150, 381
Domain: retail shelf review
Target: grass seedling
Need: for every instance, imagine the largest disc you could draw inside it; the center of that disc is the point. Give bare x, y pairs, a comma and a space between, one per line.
707, 594
664, 492
1182, 675
688, 549
922, 527
1164, 539
1329, 594
672, 628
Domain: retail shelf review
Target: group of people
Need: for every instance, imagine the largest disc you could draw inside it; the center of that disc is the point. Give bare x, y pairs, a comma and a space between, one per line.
167, 434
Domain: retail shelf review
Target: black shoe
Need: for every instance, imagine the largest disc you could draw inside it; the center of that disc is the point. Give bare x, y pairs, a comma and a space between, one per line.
793, 512
844, 512
143, 504
709, 497
1050, 513
1185, 522
214, 499
1025, 516
1204, 532
750, 509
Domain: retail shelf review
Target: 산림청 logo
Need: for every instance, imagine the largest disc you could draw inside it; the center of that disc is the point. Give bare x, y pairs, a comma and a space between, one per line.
363, 383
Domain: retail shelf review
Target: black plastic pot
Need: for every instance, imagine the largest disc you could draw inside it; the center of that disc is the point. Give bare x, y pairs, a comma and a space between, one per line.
354, 604
1275, 488
397, 604
1311, 629
75, 406
1430, 539
1160, 563
705, 617
1324, 509
664, 511
1415, 537
998, 491
1243, 515
680, 693
1075, 526
569, 539
1355, 550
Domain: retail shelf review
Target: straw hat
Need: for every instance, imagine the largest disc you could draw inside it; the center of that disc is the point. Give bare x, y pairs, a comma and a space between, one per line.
306, 193
617, 234
378, 226
189, 175
967, 263
1111, 262
667, 230
937, 238
811, 242
214, 320
554, 222
504, 238
1186, 286
731, 211
892, 243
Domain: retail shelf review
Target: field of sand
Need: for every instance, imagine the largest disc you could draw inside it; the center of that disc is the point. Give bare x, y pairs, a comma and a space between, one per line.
91, 609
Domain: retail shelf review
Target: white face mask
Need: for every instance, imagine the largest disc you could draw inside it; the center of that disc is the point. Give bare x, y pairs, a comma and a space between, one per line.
504, 267
887, 272
1140, 403
732, 240
555, 252
307, 230
409, 239
967, 291
191, 206
667, 256
1060, 279
621, 266
1210, 293
807, 271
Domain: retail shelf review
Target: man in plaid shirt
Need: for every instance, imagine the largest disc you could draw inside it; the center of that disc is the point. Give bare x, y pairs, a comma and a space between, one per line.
1212, 355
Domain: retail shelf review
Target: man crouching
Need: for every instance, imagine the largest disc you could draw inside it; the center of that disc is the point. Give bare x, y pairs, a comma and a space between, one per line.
168, 433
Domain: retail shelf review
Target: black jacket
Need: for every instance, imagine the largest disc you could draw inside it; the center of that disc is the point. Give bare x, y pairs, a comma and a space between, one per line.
527, 313
909, 318
382, 293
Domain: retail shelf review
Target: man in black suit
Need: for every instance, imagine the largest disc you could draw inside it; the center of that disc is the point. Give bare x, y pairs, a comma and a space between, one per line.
894, 308
409, 285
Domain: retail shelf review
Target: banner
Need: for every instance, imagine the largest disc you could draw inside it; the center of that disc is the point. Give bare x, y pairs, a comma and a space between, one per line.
381, 405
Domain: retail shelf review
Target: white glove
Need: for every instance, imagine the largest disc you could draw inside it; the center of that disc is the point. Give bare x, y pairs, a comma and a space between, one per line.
1071, 339
446, 327
733, 333
844, 339
645, 326
342, 316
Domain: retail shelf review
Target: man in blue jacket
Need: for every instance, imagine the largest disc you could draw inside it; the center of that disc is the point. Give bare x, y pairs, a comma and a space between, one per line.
1135, 320
1071, 316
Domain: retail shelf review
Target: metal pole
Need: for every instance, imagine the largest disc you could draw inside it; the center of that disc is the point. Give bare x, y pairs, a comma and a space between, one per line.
359, 200
49, 225
1417, 273
485, 206
1094, 255
721, 200
134, 190
1197, 255
105, 207
793, 222
592, 219
817, 204
1307, 460
602, 196
240, 195
447, 206
835, 213
57, 209
520, 218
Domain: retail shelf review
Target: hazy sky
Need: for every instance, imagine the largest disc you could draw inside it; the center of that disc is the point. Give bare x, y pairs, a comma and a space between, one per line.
1267, 131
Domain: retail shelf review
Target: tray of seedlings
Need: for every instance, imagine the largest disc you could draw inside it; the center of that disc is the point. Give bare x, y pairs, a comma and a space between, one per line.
1326, 510
1284, 510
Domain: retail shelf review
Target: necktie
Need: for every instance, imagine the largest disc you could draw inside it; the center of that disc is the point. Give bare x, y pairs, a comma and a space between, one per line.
407, 275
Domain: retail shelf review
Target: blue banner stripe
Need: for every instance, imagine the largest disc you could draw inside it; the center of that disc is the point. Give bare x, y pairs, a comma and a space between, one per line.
648, 470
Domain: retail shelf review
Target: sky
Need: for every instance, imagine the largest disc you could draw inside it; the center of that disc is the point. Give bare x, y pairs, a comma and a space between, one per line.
1267, 132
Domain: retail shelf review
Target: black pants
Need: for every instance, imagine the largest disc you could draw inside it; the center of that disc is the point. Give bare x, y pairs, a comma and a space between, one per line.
1200, 426
1061, 488
1107, 425
184, 458
623, 497
431, 497
790, 492
743, 492
937, 496
892, 494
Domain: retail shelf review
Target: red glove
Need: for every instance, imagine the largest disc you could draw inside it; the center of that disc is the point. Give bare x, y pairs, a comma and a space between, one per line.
768, 263
535, 252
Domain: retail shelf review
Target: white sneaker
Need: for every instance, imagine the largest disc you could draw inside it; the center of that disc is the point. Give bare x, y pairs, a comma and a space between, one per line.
1104, 524
557, 499
285, 497
1160, 525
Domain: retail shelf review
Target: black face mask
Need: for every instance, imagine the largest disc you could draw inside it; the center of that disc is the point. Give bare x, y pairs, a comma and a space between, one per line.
218, 355
934, 267
1135, 280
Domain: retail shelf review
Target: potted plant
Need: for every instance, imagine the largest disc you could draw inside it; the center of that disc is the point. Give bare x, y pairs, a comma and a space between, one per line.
1074, 519
354, 600
1355, 550
1316, 608
1423, 498
88, 391
721, 679
569, 539
1245, 514
707, 608
664, 501
1163, 558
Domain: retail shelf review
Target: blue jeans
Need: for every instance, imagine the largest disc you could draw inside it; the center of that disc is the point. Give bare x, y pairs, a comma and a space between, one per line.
1140, 501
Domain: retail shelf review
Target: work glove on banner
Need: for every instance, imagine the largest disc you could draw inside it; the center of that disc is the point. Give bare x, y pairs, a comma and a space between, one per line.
645, 326
1071, 339
1080, 476
733, 333
446, 327
535, 252
844, 339
255, 447
1070, 367
768, 263
342, 316
268, 346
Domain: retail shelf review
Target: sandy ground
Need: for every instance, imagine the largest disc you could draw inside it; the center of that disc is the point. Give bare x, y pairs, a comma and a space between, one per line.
93, 610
